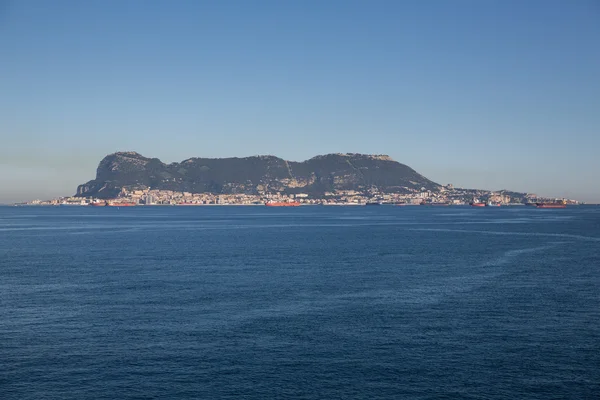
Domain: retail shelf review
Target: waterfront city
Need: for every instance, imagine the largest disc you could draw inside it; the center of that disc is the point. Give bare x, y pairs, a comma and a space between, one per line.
447, 195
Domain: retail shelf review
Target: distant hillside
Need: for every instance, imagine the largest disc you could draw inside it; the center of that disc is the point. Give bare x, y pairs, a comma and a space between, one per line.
258, 174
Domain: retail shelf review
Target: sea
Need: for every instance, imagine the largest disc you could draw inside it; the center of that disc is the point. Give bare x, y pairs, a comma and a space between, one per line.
312, 302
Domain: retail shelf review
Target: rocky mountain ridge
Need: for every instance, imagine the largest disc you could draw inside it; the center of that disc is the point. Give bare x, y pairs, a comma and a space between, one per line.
254, 175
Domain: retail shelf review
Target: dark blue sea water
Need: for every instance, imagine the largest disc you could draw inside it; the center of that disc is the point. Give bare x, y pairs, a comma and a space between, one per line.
305, 303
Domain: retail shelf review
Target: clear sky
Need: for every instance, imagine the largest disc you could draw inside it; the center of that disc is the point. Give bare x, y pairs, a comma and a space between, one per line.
487, 94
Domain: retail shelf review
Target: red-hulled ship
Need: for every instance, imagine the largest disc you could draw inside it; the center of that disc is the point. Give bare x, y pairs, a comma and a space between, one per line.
474, 204
282, 204
550, 205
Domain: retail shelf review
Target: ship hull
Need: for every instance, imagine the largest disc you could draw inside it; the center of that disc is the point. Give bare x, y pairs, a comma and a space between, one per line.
542, 205
282, 204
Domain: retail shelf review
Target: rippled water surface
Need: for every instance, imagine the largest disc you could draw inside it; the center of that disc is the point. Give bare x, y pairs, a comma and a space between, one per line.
310, 302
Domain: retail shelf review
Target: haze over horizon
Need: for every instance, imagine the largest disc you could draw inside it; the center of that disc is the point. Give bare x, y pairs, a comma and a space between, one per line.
491, 95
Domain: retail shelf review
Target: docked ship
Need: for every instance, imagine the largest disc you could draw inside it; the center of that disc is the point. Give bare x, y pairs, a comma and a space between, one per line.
282, 204
477, 203
122, 204
552, 205
98, 203
372, 203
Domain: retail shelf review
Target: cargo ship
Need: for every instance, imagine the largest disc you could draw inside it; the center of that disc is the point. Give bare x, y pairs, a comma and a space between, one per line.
490, 204
550, 205
477, 203
282, 204
98, 204
372, 203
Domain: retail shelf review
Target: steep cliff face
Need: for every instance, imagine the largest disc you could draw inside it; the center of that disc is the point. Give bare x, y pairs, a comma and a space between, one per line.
118, 170
255, 174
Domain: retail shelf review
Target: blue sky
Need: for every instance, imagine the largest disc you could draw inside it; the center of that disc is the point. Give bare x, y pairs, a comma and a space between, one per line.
487, 94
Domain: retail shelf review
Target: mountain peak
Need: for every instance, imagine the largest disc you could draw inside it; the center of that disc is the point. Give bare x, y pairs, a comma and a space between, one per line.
134, 154
381, 157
